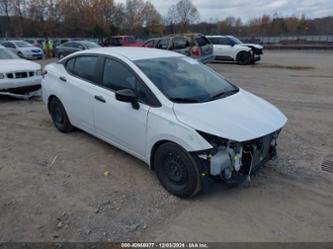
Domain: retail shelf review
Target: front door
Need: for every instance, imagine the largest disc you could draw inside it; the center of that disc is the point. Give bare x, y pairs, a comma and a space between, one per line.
118, 121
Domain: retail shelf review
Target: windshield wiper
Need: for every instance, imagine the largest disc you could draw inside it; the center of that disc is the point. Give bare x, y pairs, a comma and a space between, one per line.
184, 100
223, 94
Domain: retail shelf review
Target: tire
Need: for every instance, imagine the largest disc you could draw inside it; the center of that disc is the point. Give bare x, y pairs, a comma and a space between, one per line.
243, 58
20, 54
177, 170
59, 116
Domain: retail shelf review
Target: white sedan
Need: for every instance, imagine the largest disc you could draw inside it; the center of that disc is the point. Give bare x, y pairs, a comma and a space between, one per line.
179, 116
17, 75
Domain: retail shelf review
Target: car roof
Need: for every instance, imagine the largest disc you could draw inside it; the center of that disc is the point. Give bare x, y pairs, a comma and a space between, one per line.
216, 36
133, 53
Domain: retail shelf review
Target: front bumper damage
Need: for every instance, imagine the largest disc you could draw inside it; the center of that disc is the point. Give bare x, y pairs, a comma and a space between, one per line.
234, 162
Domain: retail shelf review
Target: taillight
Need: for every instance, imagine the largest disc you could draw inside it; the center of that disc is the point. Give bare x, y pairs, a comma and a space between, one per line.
195, 52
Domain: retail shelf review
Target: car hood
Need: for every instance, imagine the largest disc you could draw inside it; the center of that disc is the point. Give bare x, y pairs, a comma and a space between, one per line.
240, 117
253, 45
18, 65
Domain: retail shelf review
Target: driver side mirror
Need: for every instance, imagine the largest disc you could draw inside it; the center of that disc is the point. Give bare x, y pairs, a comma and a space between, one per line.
128, 96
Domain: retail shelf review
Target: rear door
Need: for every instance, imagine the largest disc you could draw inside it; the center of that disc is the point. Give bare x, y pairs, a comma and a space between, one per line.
205, 46
78, 95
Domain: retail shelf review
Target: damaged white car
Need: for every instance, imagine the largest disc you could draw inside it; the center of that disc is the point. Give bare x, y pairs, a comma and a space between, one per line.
18, 76
179, 116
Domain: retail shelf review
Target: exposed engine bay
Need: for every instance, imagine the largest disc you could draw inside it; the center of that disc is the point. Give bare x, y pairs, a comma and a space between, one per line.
234, 162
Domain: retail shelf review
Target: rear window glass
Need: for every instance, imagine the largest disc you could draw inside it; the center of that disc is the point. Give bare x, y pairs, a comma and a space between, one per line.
202, 41
180, 43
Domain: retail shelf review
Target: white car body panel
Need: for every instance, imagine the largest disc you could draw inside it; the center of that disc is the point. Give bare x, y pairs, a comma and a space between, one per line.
222, 50
15, 66
239, 117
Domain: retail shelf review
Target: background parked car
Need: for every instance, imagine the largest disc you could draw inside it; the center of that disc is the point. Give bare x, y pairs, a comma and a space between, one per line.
18, 75
229, 48
24, 49
121, 41
35, 42
196, 46
73, 46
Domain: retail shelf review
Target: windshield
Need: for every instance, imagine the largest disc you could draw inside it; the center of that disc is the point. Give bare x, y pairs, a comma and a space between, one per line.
236, 40
22, 44
185, 80
91, 45
5, 54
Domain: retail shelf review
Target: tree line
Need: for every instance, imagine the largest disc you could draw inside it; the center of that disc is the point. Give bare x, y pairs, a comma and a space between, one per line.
102, 18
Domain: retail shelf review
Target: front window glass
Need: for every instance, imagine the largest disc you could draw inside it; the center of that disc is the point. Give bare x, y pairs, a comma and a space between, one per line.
116, 76
5, 54
185, 80
22, 44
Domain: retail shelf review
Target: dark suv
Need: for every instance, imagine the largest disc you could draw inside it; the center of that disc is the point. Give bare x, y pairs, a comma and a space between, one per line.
196, 46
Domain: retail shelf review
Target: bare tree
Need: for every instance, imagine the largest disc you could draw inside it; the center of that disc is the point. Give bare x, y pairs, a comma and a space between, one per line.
183, 13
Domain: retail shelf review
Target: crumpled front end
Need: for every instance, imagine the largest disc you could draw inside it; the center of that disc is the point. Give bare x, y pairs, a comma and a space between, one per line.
234, 162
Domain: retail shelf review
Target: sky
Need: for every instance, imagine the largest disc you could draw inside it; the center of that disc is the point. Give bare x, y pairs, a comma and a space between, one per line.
211, 10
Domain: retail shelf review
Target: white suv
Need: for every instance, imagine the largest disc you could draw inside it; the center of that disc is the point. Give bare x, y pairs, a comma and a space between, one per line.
179, 116
229, 48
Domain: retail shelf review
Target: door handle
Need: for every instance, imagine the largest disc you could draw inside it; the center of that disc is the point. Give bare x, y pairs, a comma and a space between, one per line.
62, 78
100, 98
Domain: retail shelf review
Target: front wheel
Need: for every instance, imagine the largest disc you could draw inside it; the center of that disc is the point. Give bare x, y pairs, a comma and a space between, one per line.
244, 58
59, 116
177, 170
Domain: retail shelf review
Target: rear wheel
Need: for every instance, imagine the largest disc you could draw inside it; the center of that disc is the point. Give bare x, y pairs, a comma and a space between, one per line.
243, 58
59, 116
177, 171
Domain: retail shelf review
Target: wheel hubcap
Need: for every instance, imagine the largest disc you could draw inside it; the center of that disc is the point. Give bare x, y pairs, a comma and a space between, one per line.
175, 169
58, 115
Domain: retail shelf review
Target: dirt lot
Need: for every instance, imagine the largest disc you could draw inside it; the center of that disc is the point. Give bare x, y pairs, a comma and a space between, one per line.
53, 187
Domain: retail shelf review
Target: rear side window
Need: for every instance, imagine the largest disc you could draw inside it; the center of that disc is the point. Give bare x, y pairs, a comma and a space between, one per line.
70, 65
202, 41
163, 44
225, 41
84, 67
180, 43
117, 76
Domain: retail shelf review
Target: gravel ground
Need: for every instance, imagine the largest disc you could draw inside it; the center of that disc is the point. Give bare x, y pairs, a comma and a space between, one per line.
53, 186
